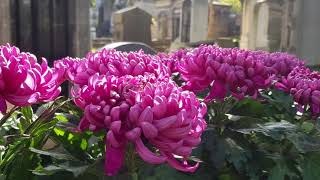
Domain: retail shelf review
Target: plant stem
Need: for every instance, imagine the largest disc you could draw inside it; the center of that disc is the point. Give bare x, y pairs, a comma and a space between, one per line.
131, 163
7, 116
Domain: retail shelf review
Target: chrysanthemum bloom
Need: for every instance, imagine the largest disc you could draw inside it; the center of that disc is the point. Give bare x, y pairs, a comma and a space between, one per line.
66, 68
106, 101
134, 108
112, 62
279, 63
304, 85
171, 60
236, 70
170, 120
23, 81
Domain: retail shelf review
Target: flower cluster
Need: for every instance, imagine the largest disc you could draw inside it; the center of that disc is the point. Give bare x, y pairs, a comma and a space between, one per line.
239, 71
131, 96
23, 81
304, 85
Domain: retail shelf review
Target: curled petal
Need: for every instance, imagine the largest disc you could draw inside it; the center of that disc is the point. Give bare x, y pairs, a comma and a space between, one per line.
183, 151
218, 91
133, 134
165, 123
111, 139
115, 113
147, 155
134, 113
114, 159
146, 115
115, 126
84, 124
180, 166
148, 129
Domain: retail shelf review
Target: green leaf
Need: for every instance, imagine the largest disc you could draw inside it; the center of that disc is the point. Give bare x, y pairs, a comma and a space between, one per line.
84, 144
284, 169
61, 117
277, 173
59, 131
275, 130
307, 127
317, 124
27, 113
23, 125
304, 142
237, 155
52, 169
215, 146
56, 155
311, 166
248, 107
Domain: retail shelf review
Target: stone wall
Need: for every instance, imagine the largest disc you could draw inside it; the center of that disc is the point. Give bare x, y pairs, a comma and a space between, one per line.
199, 20
47, 28
5, 23
282, 25
132, 24
219, 21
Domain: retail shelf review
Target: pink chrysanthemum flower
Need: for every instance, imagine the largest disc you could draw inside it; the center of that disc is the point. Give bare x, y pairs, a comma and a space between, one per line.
304, 85
112, 62
106, 101
171, 120
224, 69
23, 81
66, 68
131, 109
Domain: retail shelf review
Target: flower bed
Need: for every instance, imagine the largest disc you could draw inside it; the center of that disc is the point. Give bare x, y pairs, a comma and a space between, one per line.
202, 113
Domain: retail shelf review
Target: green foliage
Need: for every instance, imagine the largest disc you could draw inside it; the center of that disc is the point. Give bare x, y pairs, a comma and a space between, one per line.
236, 5
248, 139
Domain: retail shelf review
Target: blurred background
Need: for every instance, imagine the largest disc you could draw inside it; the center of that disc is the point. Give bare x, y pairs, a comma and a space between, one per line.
59, 28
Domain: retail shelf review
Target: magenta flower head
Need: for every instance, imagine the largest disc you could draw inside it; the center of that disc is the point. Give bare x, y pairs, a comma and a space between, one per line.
112, 62
66, 68
171, 60
106, 101
142, 109
223, 69
304, 85
278, 63
169, 119
23, 81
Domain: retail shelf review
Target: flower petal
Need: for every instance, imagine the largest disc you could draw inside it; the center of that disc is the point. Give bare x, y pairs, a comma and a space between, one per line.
147, 155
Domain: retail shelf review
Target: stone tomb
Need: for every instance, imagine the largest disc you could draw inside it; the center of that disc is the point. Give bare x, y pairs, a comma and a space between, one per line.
132, 24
